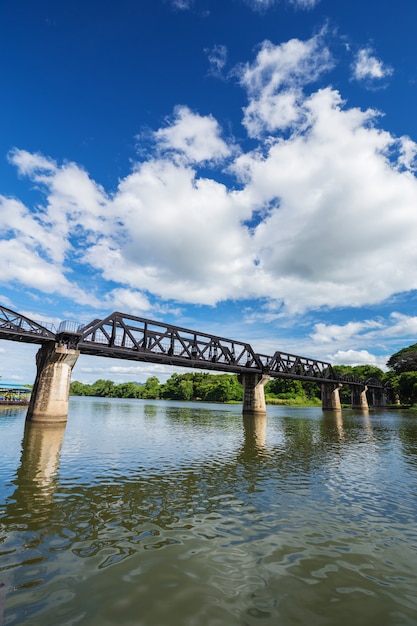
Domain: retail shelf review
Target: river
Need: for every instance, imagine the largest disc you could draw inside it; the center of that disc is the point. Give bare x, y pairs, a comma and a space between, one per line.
152, 513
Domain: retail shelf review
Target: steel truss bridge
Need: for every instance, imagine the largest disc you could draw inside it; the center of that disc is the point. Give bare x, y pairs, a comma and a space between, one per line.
122, 336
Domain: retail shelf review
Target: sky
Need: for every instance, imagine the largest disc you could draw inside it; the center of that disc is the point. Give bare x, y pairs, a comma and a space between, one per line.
245, 168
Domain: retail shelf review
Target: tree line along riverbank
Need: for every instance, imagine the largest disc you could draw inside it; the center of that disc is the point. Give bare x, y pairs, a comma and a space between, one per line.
209, 387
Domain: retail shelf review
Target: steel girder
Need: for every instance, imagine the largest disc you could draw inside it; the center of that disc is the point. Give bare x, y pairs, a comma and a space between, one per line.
285, 365
17, 327
123, 336
128, 337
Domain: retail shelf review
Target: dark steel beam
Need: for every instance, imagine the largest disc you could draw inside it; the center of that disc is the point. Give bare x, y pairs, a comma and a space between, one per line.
16, 327
122, 336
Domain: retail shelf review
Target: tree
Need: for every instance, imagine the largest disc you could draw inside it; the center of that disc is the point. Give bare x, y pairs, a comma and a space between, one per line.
152, 388
407, 386
367, 371
405, 360
103, 388
285, 388
128, 390
79, 389
186, 389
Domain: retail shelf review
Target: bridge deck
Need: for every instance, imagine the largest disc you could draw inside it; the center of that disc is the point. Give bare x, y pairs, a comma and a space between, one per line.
123, 336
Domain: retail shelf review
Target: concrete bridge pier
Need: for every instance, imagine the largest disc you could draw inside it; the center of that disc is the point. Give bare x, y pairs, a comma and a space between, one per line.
50, 394
379, 398
359, 399
253, 394
330, 397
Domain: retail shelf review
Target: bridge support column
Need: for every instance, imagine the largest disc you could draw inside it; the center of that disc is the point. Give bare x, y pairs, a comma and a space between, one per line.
359, 399
330, 398
253, 393
379, 398
50, 394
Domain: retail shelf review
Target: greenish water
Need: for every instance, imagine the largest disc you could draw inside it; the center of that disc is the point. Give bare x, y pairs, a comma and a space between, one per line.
166, 514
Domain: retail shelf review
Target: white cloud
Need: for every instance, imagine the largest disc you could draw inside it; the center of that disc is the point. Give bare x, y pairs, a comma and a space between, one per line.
321, 215
196, 137
275, 79
127, 301
368, 67
407, 154
343, 344
181, 236
342, 224
404, 326
355, 357
326, 333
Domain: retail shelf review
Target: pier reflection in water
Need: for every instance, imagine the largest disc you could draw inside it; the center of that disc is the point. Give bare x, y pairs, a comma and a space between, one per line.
163, 514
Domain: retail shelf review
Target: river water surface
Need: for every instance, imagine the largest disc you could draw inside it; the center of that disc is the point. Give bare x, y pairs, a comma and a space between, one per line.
147, 513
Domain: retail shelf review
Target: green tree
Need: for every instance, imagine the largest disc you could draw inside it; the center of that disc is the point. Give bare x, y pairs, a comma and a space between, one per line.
407, 387
128, 390
368, 371
186, 389
170, 390
103, 388
285, 388
404, 360
79, 389
152, 388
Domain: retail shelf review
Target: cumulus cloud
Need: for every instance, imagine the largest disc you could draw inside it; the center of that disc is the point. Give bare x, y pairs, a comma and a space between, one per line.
274, 83
196, 137
355, 357
327, 333
343, 344
368, 67
321, 212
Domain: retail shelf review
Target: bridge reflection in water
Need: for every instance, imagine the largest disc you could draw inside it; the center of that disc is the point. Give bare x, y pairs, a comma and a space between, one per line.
154, 509
123, 336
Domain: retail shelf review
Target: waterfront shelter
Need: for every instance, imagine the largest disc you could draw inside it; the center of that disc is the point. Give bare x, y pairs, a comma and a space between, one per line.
13, 393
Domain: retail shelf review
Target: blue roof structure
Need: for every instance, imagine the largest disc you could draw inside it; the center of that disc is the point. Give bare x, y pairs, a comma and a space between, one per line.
13, 387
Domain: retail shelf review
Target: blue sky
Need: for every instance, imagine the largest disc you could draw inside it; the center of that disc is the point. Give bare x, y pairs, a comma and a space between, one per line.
241, 167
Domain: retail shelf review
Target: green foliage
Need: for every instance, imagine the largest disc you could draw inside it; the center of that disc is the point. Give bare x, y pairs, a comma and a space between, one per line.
404, 361
203, 386
407, 387
128, 390
190, 386
79, 389
292, 392
364, 372
361, 372
104, 388
152, 389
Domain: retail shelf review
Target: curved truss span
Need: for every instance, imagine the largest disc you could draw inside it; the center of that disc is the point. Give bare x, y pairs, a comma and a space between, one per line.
17, 327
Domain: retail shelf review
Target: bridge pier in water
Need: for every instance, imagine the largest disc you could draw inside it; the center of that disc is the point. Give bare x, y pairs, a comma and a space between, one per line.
379, 398
50, 395
253, 394
330, 397
359, 398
